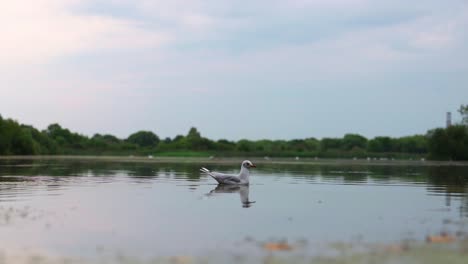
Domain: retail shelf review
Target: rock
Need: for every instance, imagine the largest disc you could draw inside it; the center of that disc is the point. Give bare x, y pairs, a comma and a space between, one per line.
443, 238
282, 246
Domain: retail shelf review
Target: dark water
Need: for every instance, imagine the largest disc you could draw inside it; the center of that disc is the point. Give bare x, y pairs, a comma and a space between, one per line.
86, 209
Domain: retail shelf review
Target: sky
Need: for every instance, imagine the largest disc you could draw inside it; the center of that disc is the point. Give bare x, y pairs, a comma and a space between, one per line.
234, 69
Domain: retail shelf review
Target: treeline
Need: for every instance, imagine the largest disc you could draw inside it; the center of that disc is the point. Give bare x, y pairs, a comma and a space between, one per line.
18, 139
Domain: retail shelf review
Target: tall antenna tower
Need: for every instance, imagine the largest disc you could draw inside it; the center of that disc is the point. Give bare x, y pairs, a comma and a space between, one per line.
449, 119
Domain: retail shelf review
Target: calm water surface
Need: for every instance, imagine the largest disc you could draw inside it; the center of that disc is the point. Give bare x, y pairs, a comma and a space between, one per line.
86, 209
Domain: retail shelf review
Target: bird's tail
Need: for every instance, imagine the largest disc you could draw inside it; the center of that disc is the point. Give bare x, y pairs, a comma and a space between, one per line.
205, 170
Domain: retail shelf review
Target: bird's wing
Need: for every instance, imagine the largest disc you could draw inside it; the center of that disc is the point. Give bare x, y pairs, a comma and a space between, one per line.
221, 177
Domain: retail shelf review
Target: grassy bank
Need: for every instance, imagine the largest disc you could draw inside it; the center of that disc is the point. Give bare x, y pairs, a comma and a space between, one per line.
237, 160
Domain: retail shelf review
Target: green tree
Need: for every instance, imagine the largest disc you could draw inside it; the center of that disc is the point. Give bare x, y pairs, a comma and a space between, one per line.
42, 143
412, 144
354, 141
297, 145
97, 141
463, 110
178, 143
225, 145
312, 144
193, 133
450, 143
4, 141
144, 139
195, 141
330, 144
263, 145
380, 144
245, 145
23, 144
14, 140
68, 141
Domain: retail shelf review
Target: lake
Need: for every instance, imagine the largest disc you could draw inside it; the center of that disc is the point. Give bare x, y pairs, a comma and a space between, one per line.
91, 209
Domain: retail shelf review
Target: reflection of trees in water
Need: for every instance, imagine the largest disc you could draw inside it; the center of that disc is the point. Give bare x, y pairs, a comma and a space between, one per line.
451, 182
94, 168
441, 180
464, 204
53, 168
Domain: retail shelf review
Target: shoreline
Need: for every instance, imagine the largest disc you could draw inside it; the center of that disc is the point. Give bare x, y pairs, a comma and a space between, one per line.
342, 254
236, 160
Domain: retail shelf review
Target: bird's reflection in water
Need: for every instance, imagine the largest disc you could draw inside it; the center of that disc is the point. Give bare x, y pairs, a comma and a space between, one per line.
242, 190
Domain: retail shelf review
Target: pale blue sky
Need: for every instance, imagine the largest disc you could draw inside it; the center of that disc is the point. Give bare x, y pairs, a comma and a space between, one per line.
234, 69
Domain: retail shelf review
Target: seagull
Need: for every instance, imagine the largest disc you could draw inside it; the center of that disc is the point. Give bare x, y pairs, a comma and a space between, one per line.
241, 179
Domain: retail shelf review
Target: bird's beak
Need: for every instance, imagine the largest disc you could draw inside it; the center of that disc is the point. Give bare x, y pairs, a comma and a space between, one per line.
253, 166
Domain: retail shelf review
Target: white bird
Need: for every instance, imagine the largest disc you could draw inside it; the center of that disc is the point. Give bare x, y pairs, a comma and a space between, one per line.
241, 179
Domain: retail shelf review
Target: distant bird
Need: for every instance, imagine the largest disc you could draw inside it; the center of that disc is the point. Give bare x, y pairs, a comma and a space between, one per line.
241, 179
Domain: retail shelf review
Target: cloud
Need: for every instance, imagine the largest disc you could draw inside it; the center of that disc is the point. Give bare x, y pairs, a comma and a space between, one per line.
46, 29
122, 65
40, 30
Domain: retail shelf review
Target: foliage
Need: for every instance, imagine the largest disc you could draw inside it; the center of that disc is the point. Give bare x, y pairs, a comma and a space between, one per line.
144, 139
354, 141
66, 139
381, 144
194, 141
14, 140
330, 144
17, 139
463, 110
411, 144
449, 143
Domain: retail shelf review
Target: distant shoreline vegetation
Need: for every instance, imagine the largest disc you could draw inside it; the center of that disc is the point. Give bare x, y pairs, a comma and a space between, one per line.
438, 144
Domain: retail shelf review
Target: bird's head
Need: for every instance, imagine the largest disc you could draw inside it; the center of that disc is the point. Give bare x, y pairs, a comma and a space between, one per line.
248, 164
